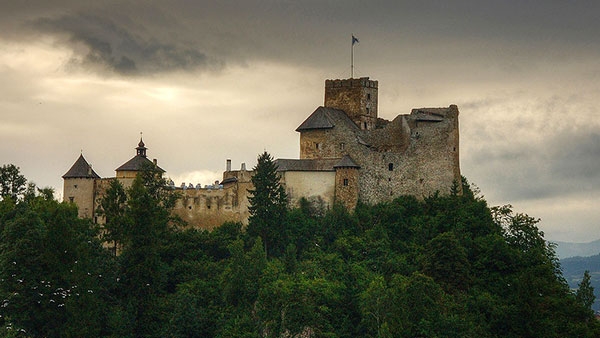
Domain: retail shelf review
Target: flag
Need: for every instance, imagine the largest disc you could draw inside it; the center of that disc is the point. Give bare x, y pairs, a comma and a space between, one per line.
354, 40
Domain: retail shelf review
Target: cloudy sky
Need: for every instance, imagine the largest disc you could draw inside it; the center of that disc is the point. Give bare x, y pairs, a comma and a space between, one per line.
206, 81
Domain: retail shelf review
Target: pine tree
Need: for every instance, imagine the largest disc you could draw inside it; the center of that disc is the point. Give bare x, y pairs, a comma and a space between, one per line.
268, 205
585, 293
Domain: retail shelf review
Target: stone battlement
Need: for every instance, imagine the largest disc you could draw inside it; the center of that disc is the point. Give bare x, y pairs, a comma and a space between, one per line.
360, 82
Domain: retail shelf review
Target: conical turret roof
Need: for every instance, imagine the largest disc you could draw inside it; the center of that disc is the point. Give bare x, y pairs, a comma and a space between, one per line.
81, 169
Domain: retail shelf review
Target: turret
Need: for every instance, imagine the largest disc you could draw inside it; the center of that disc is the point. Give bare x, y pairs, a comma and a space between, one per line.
129, 170
78, 187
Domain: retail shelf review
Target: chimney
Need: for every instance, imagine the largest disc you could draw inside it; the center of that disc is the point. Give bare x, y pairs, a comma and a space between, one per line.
155, 161
243, 166
228, 165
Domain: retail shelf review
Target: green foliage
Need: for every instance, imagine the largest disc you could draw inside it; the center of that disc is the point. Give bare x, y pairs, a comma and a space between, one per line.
113, 207
585, 292
12, 183
446, 266
55, 279
268, 205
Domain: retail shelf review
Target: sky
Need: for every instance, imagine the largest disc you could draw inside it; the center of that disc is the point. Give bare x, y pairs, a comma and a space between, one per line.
209, 81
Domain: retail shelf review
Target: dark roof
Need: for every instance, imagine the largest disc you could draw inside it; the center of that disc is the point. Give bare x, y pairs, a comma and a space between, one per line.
229, 180
306, 164
136, 164
346, 162
323, 118
81, 169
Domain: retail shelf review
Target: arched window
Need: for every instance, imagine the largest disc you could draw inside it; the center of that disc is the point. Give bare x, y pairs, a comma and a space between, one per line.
391, 166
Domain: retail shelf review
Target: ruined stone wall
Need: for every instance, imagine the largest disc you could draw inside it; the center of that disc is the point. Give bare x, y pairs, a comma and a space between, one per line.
429, 162
414, 154
209, 208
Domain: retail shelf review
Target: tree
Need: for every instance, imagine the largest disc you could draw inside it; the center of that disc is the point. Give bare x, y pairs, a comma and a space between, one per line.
445, 260
12, 183
585, 293
268, 205
113, 208
54, 274
143, 272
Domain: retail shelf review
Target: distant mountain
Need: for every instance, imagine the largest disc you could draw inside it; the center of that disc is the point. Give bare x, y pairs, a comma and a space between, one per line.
567, 249
573, 269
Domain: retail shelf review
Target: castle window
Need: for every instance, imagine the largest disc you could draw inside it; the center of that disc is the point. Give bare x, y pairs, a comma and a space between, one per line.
71, 199
317, 145
391, 166
368, 110
345, 182
368, 96
365, 125
342, 146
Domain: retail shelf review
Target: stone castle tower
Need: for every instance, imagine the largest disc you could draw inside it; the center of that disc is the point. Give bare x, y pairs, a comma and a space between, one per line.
347, 154
356, 97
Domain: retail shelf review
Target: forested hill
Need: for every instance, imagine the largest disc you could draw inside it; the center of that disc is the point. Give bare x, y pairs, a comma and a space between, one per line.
447, 266
573, 269
567, 249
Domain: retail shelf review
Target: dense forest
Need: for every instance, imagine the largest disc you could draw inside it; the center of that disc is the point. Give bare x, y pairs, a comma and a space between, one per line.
445, 266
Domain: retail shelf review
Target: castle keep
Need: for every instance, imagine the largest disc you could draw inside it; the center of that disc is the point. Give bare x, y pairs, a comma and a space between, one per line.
347, 154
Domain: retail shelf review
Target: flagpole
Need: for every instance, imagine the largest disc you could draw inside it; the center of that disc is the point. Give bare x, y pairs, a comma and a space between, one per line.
352, 58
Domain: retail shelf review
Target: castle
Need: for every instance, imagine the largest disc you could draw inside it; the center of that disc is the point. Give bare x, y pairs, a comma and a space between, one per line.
347, 154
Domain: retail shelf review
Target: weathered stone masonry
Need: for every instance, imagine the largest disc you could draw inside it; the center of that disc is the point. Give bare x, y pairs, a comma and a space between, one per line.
347, 154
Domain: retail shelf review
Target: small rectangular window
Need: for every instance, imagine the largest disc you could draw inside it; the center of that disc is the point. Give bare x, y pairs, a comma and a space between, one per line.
345, 182
71, 199
342, 146
391, 166
317, 145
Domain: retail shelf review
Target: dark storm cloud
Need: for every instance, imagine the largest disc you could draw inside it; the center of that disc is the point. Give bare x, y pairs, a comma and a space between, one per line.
99, 41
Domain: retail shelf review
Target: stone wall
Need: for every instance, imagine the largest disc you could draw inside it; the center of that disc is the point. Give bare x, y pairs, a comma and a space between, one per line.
81, 192
346, 187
